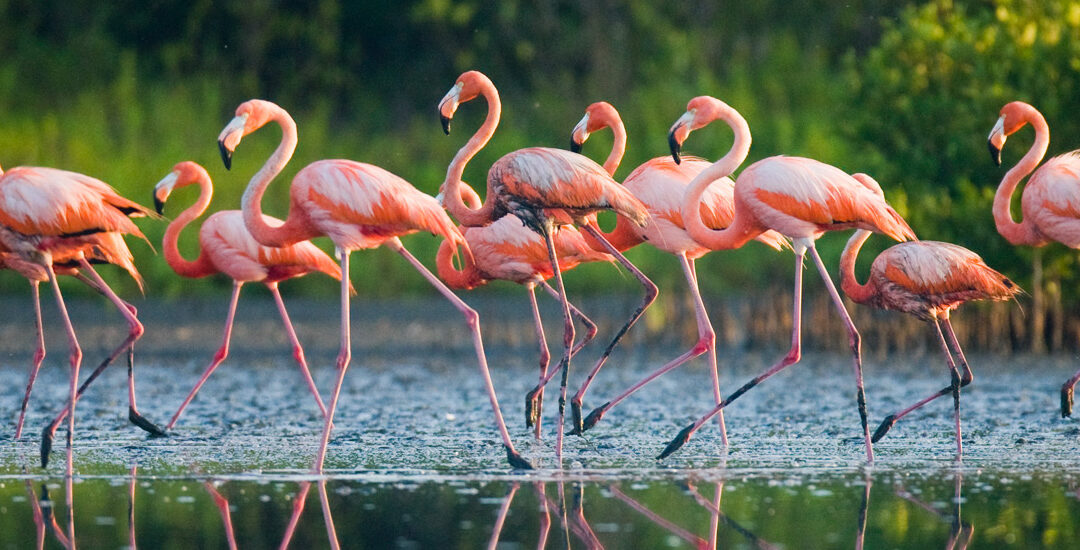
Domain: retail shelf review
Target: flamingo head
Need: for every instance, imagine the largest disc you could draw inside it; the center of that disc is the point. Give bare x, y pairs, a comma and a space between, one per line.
598, 116
250, 116
184, 173
1012, 118
700, 111
469, 85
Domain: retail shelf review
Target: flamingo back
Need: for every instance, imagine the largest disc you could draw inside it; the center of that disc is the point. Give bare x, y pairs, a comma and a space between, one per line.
1052, 199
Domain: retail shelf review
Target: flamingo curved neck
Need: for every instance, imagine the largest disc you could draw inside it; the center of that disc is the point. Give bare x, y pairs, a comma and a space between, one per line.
741, 229
1023, 232
465, 215
291, 231
201, 267
466, 278
860, 293
618, 147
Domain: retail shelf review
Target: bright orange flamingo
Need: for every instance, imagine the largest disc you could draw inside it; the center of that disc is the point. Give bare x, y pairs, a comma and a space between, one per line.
660, 183
544, 188
358, 206
1050, 202
48, 215
226, 247
799, 198
509, 251
927, 279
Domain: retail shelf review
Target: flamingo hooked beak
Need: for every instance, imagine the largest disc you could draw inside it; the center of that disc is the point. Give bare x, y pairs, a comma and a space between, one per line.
230, 137
448, 106
678, 133
996, 140
580, 134
163, 189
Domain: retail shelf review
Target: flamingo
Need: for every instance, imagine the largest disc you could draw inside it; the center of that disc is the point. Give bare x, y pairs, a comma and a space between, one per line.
1050, 202
357, 206
799, 198
50, 216
227, 247
927, 279
544, 188
508, 250
659, 183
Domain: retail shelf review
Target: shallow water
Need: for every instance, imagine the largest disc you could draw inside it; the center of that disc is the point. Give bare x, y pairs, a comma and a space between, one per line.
415, 460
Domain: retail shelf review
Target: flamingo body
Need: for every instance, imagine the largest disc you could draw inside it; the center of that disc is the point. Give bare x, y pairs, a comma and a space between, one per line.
1051, 200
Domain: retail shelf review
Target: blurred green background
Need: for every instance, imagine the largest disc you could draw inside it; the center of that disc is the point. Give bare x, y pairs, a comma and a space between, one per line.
904, 91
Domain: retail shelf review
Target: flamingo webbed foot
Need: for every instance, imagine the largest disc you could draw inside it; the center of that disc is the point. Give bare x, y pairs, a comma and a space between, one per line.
1066, 400
532, 408
516, 460
575, 412
677, 443
594, 416
141, 421
46, 444
884, 428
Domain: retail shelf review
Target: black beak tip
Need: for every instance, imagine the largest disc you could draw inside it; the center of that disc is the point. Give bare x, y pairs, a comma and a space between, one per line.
575, 147
995, 153
445, 124
676, 148
159, 205
226, 155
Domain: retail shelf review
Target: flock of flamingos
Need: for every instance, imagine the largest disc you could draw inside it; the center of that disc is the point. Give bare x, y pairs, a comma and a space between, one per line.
536, 221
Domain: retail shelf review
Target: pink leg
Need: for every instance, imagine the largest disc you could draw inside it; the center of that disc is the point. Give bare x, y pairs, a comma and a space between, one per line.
584, 529
590, 326
861, 533
534, 406
1067, 395
568, 337
706, 342
131, 509
650, 296
500, 520
39, 516
219, 356
294, 519
792, 357
222, 505
75, 357
855, 342
545, 517
694, 540
958, 381
298, 351
328, 519
472, 319
39, 356
344, 355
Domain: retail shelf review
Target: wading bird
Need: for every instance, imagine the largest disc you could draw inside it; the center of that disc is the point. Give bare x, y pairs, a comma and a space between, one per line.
544, 188
927, 279
509, 251
47, 215
226, 247
358, 206
799, 198
659, 184
1050, 202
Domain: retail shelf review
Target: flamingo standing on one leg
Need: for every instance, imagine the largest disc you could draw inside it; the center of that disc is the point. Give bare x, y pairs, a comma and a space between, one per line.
508, 250
801, 199
927, 279
47, 213
660, 183
358, 206
227, 247
1050, 202
545, 188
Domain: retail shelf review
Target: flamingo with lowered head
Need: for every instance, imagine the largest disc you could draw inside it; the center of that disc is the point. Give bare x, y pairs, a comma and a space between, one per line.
927, 279
225, 246
797, 197
358, 206
545, 188
1050, 202
659, 183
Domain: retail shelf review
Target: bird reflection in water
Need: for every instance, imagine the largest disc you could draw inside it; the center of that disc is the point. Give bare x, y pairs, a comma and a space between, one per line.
961, 533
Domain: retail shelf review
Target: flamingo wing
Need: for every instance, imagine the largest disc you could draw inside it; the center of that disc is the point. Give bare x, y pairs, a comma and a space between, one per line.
942, 273
1052, 199
237, 254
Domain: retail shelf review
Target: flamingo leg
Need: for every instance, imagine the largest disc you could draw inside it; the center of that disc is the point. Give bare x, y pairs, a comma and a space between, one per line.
792, 357
328, 519
855, 342
668, 525
131, 509
860, 534
344, 355
500, 520
706, 343
532, 399
298, 351
650, 296
472, 319
545, 517
39, 356
585, 530
533, 414
75, 358
294, 519
219, 356
222, 504
958, 381
568, 335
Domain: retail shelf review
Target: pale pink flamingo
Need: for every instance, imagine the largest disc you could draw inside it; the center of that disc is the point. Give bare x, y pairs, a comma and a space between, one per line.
357, 206
799, 198
545, 188
1050, 202
226, 246
927, 279
507, 250
659, 183
46, 213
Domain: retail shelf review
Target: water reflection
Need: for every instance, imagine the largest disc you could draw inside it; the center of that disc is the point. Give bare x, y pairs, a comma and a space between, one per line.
962, 531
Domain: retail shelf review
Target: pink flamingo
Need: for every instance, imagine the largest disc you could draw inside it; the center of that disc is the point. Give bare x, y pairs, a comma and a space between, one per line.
50, 216
798, 197
357, 206
509, 251
1050, 202
544, 188
227, 247
927, 279
659, 184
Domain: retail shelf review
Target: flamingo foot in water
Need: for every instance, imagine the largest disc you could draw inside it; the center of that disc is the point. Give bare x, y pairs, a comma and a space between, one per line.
678, 442
516, 460
141, 421
1066, 400
883, 429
